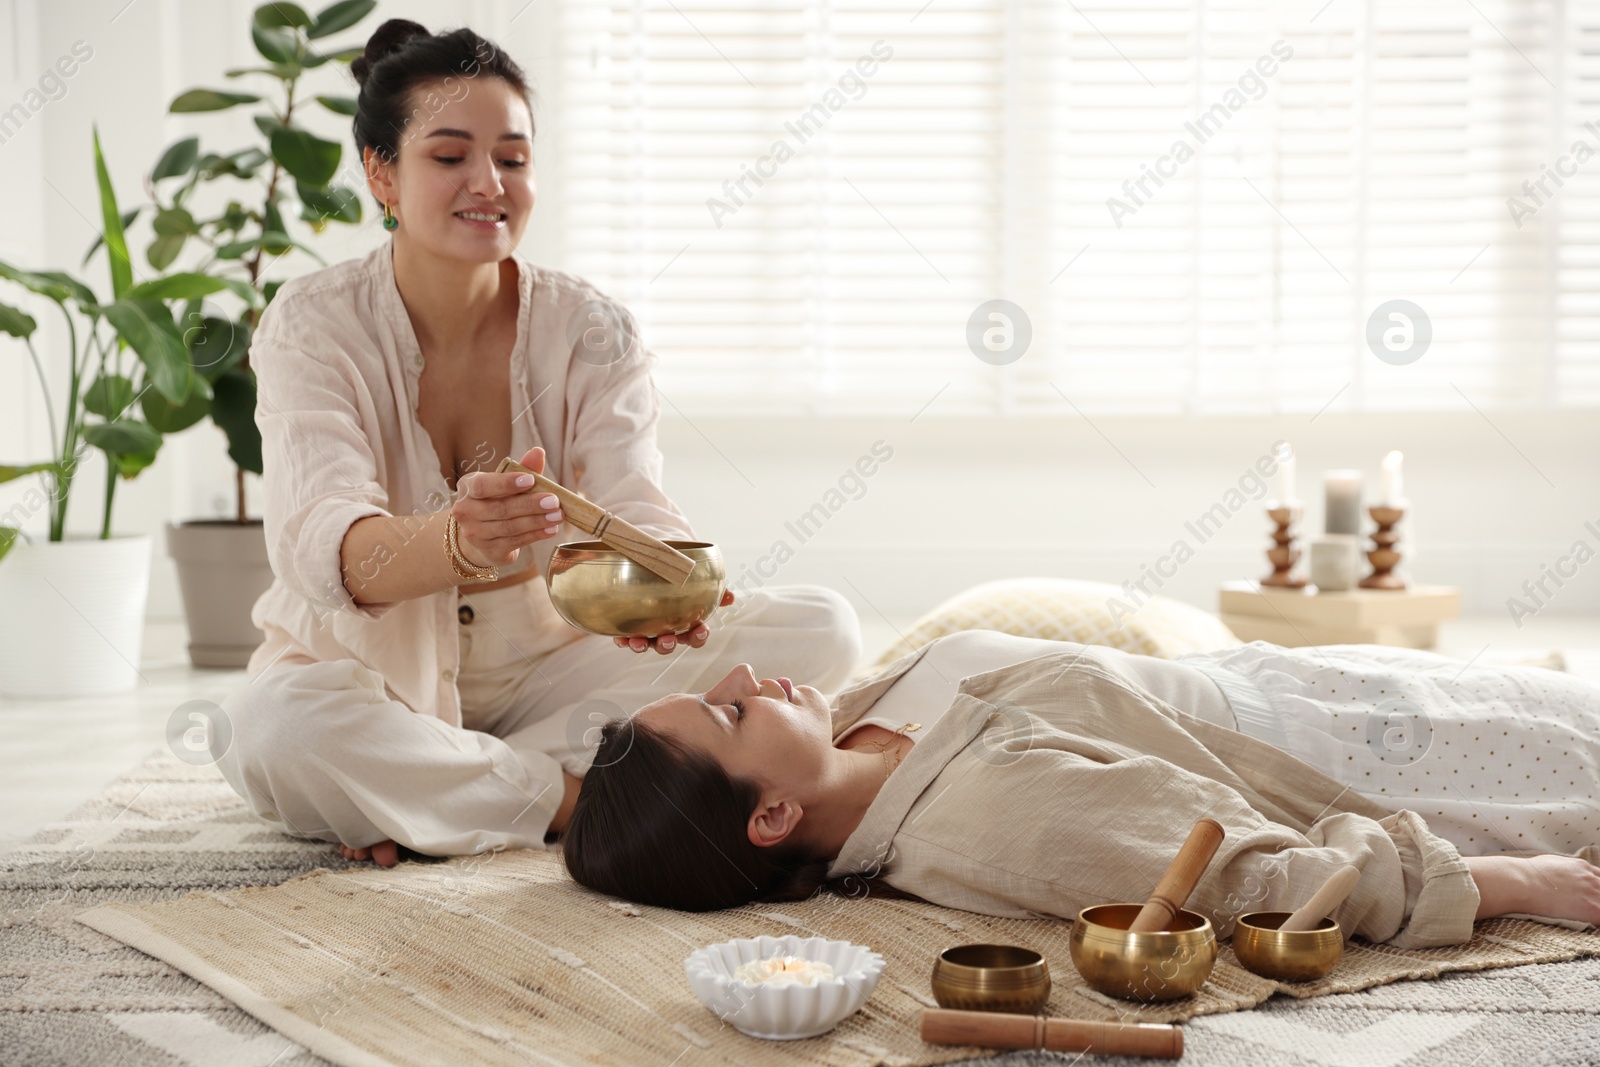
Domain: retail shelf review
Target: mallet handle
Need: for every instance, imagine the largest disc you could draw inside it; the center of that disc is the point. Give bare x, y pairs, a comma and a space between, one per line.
1181, 878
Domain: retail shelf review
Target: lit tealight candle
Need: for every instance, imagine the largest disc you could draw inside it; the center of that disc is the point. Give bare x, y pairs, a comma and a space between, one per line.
1389, 495
784, 970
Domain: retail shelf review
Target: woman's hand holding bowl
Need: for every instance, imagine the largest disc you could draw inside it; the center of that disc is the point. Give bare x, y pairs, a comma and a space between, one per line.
496, 517
694, 638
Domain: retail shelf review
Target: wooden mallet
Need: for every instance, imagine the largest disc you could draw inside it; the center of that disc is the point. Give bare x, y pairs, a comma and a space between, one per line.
994, 1029
653, 555
1340, 884
1181, 878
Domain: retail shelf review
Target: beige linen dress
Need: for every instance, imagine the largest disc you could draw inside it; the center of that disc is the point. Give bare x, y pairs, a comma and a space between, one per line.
1062, 781
444, 722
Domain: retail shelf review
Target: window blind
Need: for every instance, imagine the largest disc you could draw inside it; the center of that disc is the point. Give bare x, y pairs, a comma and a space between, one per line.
1198, 206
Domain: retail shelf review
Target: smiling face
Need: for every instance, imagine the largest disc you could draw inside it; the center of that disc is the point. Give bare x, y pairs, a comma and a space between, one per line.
463, 181
780, 740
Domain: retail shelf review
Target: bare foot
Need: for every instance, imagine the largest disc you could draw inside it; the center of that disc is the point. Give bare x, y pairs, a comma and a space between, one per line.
384, 853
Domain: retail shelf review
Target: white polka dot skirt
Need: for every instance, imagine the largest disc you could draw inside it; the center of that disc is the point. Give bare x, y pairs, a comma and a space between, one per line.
1495, 759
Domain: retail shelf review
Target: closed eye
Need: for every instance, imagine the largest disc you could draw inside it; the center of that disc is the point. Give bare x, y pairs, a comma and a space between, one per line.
513, 163
738, 706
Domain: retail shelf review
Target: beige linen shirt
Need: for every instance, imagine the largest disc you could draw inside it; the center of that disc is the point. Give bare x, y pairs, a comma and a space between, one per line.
1054, 784
337, 368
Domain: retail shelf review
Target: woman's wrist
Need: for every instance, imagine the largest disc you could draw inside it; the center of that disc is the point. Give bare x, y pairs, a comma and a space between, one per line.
463, 566
1502, 884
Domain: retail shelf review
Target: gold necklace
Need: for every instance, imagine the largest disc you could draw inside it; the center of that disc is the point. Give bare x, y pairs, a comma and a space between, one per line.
882, 747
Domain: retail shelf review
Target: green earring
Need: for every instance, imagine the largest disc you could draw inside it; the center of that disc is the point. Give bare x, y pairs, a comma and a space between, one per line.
390, 223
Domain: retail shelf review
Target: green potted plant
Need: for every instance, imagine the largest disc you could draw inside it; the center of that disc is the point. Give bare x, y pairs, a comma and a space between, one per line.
73, 622
222, 563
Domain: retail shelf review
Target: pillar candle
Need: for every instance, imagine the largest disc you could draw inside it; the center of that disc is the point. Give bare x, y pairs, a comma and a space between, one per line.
1285, 492
1389, 494
1342, 497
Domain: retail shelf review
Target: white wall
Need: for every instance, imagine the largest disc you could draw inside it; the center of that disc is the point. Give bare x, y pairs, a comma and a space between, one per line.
959, 502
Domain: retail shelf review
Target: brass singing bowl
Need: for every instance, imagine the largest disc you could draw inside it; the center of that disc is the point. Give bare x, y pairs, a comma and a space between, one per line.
1163, 965
600, 590
1286, 955
991, 978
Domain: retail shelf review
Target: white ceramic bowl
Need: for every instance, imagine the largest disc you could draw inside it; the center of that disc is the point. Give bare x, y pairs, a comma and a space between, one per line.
783, 1012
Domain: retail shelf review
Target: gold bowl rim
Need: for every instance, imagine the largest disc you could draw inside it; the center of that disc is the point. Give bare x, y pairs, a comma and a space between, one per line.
945, 963
600, 552
1328, 924
1201, 928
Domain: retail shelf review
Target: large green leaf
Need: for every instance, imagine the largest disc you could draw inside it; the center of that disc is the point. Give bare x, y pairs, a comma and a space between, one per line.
281, 13
174, 220
130, 445
111, 218
237, 249
275, 238
277, 45
342, 15
177, 160
306, 156
210, 100
148, 328
122, 436
16, 322
233, 409
187, 286
51, 284
330, 202
79, 292
344, 55
267, 124
108, 396
339, 105
167, 417
216, 345
163, 251
11, 472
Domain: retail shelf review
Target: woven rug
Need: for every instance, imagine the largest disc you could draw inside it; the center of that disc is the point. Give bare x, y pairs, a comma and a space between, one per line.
500, 959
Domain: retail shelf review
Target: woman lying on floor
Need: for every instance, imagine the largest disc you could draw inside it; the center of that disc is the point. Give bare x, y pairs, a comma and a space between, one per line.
1020, 777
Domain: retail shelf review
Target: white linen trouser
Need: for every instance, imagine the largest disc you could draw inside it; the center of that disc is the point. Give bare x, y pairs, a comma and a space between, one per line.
321, 750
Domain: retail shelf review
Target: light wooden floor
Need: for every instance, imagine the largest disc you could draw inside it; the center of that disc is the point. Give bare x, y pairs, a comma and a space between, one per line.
54, 754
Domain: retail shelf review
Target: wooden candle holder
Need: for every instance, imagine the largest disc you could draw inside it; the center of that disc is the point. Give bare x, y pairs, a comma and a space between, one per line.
1384, 557
1283, 554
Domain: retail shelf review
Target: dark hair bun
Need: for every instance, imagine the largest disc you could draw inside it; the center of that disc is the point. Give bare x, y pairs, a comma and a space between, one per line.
401, 56
390, 37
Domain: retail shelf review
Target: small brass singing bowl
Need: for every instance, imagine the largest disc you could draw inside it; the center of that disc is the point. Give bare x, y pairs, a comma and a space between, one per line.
1163, 965
600, 590
1286, 955
991, 978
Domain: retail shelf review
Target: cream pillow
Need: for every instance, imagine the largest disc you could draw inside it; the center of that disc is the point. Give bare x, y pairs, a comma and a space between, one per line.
1060, 609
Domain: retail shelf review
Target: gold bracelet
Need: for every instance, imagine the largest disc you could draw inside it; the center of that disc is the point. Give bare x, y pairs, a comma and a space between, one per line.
464, 567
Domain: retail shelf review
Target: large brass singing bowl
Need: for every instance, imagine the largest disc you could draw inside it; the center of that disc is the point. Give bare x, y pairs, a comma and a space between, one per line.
991, 978
1164, 965
1286, 955
600, 590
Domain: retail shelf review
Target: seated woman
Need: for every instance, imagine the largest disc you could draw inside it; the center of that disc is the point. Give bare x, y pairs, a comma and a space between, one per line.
1030, 778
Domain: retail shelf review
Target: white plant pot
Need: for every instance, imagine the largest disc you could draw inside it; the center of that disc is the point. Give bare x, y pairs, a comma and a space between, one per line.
72, 615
